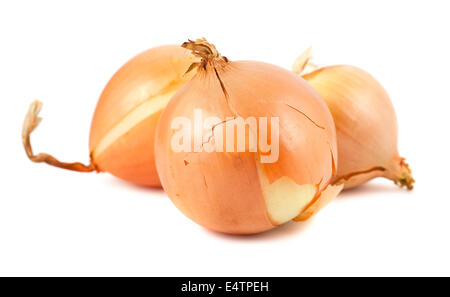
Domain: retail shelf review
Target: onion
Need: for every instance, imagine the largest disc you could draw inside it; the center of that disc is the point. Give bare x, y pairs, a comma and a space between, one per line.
235, 191
124, 123
365, 120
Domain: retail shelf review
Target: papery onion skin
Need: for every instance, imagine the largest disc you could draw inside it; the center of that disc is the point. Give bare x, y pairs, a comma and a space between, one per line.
366, 126
147, 75
124, 123
222, 191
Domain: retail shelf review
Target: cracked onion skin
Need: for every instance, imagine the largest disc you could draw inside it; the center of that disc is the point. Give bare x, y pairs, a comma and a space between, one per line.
124, 123
366, 126
232, 192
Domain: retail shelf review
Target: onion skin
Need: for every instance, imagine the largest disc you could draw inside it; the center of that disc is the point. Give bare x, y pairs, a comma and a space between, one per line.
139, 142
366, 126
144, 76
131, 157
222, 191
124, 123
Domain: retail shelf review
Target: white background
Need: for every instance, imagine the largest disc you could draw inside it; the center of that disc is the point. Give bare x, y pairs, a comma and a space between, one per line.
56, 222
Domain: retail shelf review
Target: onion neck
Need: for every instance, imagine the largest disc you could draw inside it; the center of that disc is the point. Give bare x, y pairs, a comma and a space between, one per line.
206, 51
400, 173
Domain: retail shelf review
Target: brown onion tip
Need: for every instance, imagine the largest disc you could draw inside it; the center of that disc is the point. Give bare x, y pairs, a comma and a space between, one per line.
404, 177
203, 49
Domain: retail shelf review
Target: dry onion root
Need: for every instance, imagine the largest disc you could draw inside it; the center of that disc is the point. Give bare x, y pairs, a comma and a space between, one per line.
233, 191
365, 120
123, 127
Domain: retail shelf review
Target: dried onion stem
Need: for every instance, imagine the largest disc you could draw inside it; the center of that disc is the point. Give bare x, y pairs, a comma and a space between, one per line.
32, 120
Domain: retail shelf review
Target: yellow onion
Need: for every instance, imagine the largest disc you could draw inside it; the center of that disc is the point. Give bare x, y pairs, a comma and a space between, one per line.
234, 191
366, 124
122, 132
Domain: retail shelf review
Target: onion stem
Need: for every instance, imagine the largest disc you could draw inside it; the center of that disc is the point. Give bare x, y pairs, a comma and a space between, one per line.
30, 123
